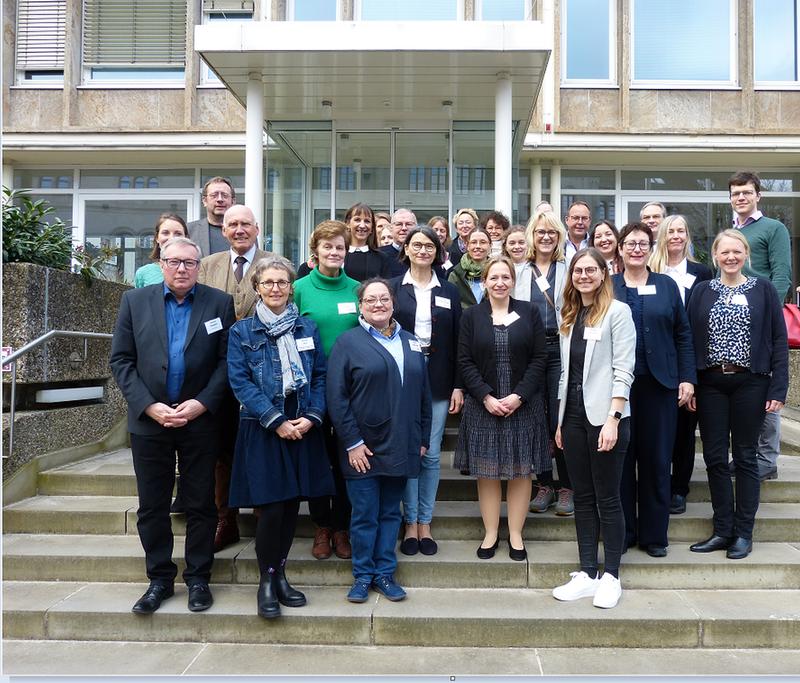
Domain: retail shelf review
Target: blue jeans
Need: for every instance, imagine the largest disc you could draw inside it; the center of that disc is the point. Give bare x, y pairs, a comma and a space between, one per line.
420, 494
375, 524
769, 442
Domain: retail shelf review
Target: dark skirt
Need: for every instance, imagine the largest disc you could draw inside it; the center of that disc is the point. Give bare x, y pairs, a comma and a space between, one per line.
268, 469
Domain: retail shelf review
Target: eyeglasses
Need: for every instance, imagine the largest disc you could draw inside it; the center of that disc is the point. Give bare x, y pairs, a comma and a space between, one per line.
545, 233
375, 300
743, 193
589, 270
633, 246
402, 224
175, 263
579, 219
270, 284
218, 195
422, 246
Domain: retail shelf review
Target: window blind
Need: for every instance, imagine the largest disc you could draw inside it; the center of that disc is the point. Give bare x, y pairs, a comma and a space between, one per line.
41, 32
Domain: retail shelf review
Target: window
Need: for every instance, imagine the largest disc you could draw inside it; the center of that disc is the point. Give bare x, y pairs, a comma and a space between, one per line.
407, 10
683, 42
311, 10
502, 10
776, 41
41, 32
218, 11
588, 40
134, 40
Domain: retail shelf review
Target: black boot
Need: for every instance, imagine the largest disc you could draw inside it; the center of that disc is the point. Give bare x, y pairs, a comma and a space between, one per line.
268, 606
287, 595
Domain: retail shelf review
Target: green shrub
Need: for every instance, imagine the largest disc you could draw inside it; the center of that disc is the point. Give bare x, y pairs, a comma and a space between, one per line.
27, 235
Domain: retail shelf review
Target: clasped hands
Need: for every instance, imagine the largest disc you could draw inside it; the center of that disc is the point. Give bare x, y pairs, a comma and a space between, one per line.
179, 416
502, 407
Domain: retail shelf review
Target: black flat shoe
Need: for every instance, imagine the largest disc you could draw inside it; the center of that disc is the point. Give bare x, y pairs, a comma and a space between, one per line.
287, 595
656, 550
409, 546
427, 546
487, 553
711, 544
200, 598
740, 548
677, 505
267, 598
517, 555
152, 598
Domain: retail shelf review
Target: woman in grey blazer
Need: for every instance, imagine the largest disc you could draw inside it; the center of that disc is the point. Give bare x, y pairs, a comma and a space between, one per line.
598, 352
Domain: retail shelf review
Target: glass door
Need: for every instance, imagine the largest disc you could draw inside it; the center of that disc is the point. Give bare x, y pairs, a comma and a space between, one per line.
363, 171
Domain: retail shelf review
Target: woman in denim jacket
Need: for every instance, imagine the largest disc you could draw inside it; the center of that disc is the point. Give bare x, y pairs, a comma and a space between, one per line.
276, 368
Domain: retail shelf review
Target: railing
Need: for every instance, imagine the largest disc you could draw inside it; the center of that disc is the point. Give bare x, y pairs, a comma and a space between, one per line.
52, 334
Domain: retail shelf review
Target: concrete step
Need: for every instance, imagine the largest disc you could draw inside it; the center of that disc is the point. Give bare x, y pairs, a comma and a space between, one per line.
454, 520
430, 617
45, 557
83, 658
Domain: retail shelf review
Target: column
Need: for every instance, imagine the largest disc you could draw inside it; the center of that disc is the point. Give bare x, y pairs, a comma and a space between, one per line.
254, 153
503, 187
277, 211
555, 189
536, 185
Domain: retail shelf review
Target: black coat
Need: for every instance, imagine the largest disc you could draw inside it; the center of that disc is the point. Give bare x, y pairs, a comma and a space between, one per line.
362, 265
396, 267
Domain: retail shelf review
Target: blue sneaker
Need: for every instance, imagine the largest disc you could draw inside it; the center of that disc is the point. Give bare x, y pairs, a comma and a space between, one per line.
359, 592
386, 586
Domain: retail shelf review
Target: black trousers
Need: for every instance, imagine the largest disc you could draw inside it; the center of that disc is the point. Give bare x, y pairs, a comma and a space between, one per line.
275, 533
332, 512
196, 446
646, 475
683, 452
552, 375
595, 480
731, 409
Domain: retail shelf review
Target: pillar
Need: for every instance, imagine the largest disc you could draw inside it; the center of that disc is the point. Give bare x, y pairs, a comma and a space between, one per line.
503, 183
254, 153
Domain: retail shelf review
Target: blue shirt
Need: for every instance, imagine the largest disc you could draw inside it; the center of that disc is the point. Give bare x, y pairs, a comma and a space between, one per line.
393, 344
177, 316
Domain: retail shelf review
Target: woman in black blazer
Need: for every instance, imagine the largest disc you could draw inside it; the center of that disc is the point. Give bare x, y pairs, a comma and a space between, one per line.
363, 259
429, 308
503, 435
673, 256
742, 358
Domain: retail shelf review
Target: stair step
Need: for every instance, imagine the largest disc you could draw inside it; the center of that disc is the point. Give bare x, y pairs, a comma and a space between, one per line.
65, 658
431, 617
106, 559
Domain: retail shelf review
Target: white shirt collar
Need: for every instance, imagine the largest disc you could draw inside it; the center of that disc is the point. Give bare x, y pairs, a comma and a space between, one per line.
250, 254
737, 220
680, 268
364, 249
408, 280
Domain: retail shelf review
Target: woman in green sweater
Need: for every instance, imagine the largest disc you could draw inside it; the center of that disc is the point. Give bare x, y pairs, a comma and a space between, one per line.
328, 297
168, 225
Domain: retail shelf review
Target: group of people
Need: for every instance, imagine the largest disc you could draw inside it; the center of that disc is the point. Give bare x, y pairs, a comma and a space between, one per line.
599, 351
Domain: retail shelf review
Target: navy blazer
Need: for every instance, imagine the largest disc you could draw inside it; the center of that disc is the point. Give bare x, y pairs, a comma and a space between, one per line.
368, 402
445, 321
665, 331
364, 265
476, 353
701, 273
769, 346
139, 353
396, 266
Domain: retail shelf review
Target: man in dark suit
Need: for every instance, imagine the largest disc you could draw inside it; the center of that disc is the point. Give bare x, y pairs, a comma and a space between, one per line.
168, 357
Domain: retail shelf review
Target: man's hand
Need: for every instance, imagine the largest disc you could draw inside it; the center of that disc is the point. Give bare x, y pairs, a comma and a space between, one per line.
165, 415
189, 410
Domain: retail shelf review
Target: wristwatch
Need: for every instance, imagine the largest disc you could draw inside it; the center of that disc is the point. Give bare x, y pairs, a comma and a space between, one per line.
615, 414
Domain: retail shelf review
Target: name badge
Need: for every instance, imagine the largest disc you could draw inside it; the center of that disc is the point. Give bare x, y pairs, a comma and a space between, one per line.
346, 307
542, 283
592, 333
646, 290
413, 344
212, 326
305, 344
739, 300
688, 280
511, 318
441, 302
447, 265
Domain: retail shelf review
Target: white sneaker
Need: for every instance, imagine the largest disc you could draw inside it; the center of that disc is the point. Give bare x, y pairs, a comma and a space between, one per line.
580, 586
609, 591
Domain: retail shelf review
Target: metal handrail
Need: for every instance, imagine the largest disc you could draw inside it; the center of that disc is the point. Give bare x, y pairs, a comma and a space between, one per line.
47, 336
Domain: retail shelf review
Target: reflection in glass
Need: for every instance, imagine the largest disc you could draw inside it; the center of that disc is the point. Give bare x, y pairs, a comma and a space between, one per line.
572, 179
110, 179
587, 37
693, 181
473, 159
362, 170
409, 10
775, 41
503, 10
421, 165
314, 10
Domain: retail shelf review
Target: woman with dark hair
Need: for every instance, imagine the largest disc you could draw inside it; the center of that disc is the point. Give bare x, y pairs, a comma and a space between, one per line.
439, 225
280, 455
430, 308
363, 259
468, 272
495, 223
380, 405
598, 346
168, 225
604, 237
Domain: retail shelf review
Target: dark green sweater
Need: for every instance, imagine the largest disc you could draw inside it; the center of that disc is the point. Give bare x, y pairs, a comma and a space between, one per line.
770, 253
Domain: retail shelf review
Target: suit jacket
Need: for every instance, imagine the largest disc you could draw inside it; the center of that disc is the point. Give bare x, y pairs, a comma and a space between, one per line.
199, 234
139, 353
607, 366
216, 271
701, 273
666, 334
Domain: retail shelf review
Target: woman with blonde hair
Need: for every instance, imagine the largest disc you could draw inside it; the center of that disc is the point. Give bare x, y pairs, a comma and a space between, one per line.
598, 352
465, 221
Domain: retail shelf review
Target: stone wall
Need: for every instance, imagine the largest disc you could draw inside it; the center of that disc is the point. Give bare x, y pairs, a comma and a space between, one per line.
793, 398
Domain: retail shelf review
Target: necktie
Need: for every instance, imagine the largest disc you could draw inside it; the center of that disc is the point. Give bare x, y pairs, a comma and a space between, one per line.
238, 272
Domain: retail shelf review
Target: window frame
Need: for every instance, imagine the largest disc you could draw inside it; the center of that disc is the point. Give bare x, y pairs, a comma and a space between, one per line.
672, 84
33, 27
779, 85
290, 11
612, 81
207, 78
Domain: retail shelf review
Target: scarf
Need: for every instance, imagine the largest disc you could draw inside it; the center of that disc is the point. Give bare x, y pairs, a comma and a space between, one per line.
280, 328
472, 269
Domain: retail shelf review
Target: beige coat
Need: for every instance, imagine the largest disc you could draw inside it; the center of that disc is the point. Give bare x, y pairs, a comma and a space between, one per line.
216, 271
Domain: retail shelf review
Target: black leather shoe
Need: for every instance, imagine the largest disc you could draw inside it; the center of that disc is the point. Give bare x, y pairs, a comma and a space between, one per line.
487, 553
656, 550
268, 605
769, 473
677, 505
409, 546
517, 555
291, 597
711, 544
200, 598
152, 598
740, 548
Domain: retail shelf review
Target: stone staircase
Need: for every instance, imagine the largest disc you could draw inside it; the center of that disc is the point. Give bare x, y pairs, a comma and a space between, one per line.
73, 566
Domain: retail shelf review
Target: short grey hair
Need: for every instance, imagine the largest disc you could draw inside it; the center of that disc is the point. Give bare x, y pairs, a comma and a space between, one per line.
403, 210
268, 262
181, 240
658, 204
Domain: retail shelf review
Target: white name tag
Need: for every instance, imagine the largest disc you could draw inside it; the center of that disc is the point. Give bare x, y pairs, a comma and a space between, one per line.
447, 265
511, 318
592, 333
346, 307
542, 283
305, 344
739, 300
413, 344
214, 325
688, 280
441, 302
645, 290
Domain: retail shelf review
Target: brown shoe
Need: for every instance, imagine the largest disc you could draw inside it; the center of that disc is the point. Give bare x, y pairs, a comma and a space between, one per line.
341, 545
227, 533
322, 543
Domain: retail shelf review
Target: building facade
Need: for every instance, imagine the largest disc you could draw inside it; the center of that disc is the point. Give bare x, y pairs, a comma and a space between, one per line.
118, 110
